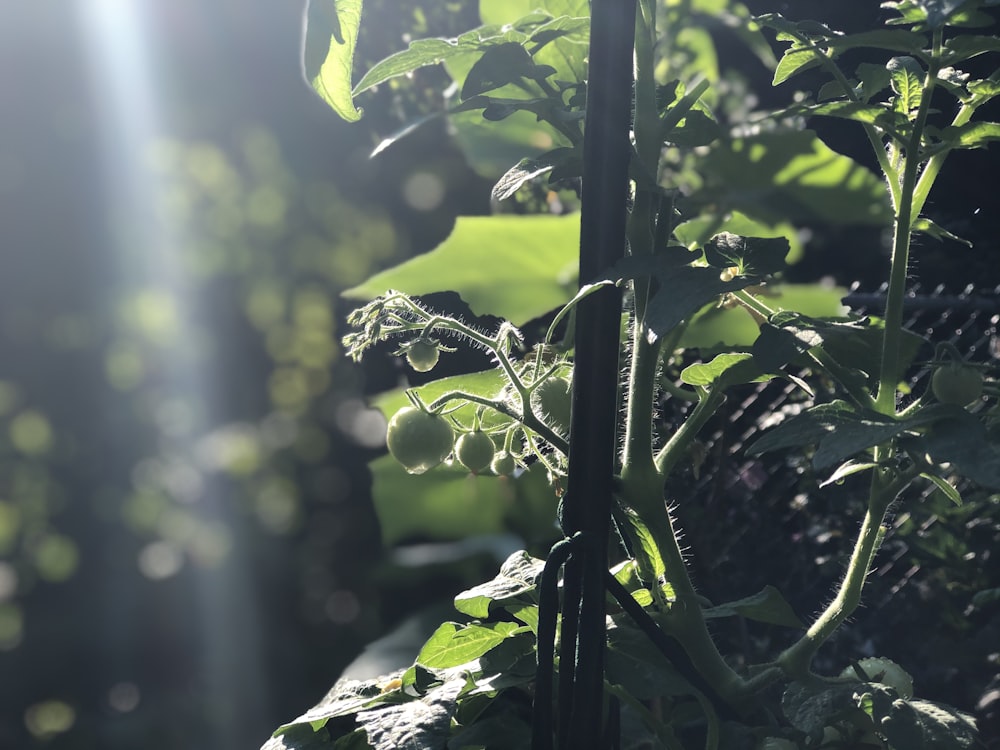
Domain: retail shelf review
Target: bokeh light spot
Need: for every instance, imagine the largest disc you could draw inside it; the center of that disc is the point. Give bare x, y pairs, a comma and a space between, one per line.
8, 581
153, 313
124, 697
342, 607
423, 191
124, 367
31, 433
159, 560
49, 718
10, 525
56, 557
11, 626
365, 425
276, 505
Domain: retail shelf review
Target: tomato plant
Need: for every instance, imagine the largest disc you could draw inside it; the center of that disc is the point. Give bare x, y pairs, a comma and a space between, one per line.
715, 197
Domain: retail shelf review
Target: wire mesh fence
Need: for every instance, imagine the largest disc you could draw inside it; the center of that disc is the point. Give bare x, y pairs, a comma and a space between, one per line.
768, 509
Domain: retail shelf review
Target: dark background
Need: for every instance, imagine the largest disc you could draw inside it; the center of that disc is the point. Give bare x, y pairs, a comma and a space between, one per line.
188, 552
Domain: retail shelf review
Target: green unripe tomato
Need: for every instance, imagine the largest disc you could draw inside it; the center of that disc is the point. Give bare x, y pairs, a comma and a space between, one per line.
475, 450
551, 401
884, 671
957, 384
503, 464
422, 354
418, 440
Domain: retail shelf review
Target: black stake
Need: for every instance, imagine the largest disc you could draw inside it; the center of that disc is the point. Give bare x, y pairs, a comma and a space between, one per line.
587, 506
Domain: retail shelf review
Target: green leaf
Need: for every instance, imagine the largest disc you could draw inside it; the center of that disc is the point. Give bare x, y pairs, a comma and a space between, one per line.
486, 384
854, 344
873, 79
567, 53
527, 169
694, 232
894, 40
423, 723
356, 740
758, 256
767, 605
501, 65
946, 487
453, 645
506, 730
332, 25
346, 698
860, 434
448, 503
923, 724
735, 327
962, 440
632, 661
967, 46
491, 150
513, 267
810, 708
795, 60
985, 89
646, 551
791, 176
907, 81
526, 613
502, 12
728, 368
515, 582
695, 129
681, 292
936, 14
302, 737
840, 431
971, 135
423, 52
928, 227
870, 114
806, 428
845, 470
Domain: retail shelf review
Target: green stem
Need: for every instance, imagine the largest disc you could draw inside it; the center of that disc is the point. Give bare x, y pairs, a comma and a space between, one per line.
934, 164
874, 137
638, 450
675, 448
796, 659
885, 399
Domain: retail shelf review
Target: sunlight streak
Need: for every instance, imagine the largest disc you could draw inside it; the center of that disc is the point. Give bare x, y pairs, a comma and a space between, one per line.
150, 289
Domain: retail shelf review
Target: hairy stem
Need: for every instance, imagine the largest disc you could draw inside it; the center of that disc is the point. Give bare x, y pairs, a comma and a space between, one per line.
884, 490
885, 399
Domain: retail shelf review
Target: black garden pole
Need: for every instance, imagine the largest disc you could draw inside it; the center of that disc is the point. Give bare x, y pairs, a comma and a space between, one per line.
587, 505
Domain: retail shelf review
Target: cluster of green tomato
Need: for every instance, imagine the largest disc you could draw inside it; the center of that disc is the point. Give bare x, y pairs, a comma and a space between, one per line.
421, 439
